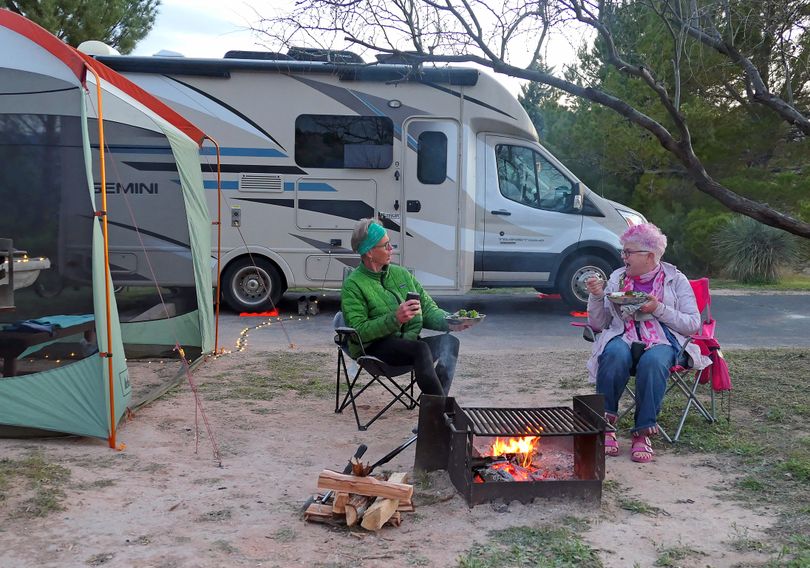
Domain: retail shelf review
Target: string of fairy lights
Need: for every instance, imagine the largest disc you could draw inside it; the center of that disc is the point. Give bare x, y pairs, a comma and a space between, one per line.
242, 340
241, 343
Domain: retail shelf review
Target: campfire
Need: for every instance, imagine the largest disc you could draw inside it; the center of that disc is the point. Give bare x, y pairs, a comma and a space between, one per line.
523, 458
515, 453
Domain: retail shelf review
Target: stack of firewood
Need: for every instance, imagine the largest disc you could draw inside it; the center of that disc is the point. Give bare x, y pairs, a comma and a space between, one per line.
368, 501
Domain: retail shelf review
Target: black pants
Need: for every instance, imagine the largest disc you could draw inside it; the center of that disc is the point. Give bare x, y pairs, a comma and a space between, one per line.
443, 349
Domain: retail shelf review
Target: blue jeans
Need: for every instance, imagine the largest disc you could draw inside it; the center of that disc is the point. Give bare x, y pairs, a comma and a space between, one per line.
652, 373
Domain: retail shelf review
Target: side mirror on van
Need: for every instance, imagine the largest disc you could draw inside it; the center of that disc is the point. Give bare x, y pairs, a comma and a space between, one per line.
579, 196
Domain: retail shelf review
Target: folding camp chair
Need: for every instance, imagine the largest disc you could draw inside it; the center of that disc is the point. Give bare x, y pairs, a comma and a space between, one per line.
401, 390
686, 380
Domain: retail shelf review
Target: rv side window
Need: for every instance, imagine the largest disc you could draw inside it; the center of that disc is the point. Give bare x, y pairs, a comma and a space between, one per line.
431, 162
337, 141
525, 176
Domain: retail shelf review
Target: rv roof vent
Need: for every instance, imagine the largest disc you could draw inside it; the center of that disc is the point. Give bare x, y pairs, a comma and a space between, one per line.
327, 55
95, 47
266, 55
261, 182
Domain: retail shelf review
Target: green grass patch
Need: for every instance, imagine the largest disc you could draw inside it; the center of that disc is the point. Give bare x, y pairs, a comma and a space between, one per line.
306, 374
42, 484
639, 507
762, 433
558, 546
675, 556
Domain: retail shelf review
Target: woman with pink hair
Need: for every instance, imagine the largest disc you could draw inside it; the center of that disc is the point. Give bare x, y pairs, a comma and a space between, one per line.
646, 340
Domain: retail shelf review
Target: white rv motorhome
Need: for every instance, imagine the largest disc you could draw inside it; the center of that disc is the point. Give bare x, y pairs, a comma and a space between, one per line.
446, 158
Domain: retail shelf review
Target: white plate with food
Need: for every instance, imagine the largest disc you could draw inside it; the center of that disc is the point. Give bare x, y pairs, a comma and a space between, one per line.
625, 298
465, 316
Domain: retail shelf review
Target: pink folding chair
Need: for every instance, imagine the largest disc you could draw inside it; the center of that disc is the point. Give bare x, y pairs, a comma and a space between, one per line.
686, 380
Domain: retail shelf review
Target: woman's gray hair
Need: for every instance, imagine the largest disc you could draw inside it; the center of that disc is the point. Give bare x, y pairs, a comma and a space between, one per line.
361, 232
646, 236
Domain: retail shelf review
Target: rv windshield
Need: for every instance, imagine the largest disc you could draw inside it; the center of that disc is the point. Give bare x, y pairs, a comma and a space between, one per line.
527, 177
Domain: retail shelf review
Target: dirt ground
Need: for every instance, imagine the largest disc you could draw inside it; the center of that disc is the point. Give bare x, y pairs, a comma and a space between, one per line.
160, 503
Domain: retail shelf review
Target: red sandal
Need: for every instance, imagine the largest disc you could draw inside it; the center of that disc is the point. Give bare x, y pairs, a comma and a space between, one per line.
641, 451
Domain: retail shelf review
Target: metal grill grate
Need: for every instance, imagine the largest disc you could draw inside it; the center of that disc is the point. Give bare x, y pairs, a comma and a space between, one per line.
552, 421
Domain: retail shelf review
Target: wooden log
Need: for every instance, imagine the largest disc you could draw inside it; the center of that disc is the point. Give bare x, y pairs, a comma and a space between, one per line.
318, 513
364, 486
339, 504
378, 514
398, 477
356, 507
405, 507
395, 520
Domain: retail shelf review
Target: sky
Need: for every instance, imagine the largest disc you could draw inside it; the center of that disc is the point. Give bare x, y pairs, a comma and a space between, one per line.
209, 28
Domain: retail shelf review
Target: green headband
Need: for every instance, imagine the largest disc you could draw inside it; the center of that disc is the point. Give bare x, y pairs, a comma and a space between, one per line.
374, 235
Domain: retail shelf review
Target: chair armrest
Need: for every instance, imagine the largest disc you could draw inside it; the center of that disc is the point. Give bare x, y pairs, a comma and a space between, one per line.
343, 334
589, 332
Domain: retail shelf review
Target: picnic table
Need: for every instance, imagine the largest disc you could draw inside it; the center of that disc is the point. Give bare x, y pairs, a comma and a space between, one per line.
14, 343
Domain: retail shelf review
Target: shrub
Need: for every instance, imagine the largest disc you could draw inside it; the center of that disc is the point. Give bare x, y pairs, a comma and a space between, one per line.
754, 253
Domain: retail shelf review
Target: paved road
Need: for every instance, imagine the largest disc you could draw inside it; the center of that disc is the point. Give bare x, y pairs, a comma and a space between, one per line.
524, 321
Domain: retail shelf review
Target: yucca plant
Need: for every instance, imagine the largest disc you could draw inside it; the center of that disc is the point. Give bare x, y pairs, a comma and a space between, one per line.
754, 253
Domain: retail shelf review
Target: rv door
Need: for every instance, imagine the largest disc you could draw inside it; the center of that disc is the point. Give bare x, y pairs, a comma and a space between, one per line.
531, 213
430, 204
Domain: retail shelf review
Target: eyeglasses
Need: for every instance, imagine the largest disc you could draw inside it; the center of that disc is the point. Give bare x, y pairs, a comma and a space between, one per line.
386, 245
626, 253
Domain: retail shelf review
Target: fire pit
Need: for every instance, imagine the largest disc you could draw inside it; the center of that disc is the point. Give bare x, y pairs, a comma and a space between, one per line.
515, 453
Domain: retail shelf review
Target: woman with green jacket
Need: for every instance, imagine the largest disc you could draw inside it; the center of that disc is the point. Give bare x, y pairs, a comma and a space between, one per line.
374, 302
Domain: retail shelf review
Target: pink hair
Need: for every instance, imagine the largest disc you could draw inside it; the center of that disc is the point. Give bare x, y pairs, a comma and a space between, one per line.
645, 236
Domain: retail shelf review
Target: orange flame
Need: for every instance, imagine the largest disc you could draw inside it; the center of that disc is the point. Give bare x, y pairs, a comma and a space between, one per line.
523, 447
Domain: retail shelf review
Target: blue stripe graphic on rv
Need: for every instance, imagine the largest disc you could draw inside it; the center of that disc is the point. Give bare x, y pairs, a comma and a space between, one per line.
243, 152
288, 186
132, 149
212, 184
348, 209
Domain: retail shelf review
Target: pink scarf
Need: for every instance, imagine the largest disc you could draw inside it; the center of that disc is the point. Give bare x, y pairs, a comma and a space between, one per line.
650, 331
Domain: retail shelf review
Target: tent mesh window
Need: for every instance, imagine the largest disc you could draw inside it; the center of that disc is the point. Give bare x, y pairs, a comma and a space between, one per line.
150, 252
45, 207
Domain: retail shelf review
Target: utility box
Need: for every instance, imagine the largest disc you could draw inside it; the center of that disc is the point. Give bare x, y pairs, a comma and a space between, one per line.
6, 274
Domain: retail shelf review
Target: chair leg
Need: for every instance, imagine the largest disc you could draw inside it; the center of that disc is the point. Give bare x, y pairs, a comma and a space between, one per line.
627, 410
691, 395
340, 363
352, 395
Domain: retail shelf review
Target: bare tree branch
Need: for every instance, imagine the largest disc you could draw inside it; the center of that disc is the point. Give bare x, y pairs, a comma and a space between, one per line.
470, 31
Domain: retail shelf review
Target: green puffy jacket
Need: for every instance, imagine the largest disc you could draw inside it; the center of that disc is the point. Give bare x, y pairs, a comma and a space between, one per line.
369, 301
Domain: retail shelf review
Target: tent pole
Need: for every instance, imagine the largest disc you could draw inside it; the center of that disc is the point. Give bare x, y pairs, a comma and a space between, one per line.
107, 275
218, 223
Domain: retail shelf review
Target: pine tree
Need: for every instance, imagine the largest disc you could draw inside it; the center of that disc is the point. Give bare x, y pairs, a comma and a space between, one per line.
119, 23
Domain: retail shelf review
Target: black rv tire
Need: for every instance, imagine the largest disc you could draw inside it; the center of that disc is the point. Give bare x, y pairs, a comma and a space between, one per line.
571, 282
249, 288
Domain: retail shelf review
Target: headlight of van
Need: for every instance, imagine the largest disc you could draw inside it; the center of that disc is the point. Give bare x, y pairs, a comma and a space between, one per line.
632, 218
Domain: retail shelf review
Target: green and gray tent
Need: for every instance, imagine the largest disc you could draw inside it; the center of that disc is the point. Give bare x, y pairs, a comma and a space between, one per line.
84, 289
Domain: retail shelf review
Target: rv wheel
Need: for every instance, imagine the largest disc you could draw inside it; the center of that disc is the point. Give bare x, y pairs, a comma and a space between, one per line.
251, 288
572, 279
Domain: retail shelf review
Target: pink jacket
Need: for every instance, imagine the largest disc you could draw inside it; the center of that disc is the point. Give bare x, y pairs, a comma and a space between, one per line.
678, 311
